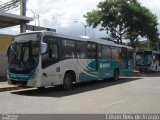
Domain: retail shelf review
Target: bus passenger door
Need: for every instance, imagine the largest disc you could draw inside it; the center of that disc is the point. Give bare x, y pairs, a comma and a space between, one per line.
127, 61
51, 70
130, 59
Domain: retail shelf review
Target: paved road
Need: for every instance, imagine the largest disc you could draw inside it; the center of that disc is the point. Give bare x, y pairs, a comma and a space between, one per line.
128, 95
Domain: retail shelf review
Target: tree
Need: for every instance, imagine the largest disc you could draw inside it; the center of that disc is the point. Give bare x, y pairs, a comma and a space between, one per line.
124, 19
154, 45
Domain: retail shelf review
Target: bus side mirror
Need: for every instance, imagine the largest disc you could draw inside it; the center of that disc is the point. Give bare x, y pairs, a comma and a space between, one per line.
43, 47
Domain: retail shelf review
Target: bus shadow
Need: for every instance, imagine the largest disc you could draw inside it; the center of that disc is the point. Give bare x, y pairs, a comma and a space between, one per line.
77, 88
151, 74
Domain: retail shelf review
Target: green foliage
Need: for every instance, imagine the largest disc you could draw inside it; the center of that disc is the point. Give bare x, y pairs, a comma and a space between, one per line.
124, 19
151, 45
154, 45
133, 42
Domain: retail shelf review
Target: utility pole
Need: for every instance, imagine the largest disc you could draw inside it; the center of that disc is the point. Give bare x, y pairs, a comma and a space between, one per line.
23, 13
85, 27
38, 19
33, 16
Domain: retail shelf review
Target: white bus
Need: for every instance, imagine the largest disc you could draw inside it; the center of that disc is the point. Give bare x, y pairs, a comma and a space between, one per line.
40, 59
147, 61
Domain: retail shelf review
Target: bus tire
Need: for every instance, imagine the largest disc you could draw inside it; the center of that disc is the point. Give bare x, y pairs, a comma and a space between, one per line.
67, 81
140, 71
40, 88
156, 68
116, 75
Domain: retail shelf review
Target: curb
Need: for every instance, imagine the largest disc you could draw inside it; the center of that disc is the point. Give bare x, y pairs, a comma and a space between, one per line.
136, 74
9, 89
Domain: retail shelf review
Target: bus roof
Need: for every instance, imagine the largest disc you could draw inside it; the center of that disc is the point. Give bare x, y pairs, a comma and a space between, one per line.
99, 41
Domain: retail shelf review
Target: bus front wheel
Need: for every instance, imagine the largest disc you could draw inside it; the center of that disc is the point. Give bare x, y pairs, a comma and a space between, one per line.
67, 81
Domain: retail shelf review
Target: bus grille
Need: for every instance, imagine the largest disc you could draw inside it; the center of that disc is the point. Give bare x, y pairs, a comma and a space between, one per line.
23, 83
20, 71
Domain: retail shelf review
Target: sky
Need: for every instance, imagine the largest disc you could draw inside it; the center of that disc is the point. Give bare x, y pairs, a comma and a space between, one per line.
62, 14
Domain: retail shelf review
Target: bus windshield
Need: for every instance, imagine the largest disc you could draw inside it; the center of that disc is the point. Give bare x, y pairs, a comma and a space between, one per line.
24, 52
143, 58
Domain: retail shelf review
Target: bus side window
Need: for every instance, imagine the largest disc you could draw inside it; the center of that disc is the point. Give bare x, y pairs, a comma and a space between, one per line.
120, 53
51, 56
81, 50
124, 53
99, 51
54, 51
91, 50
106, 52
115, 53
130, 54
69, 50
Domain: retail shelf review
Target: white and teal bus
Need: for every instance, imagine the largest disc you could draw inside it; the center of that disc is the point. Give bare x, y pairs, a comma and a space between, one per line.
45, 58
147, 61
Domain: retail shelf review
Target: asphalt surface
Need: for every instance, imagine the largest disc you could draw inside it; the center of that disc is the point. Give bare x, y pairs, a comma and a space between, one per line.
129, 95
4, 86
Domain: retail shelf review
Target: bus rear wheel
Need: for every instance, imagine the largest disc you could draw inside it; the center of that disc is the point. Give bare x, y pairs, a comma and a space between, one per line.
67, 81
140, 71
116, 75
156, 68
